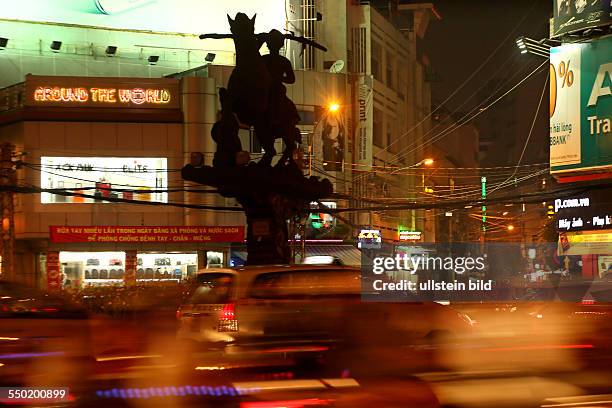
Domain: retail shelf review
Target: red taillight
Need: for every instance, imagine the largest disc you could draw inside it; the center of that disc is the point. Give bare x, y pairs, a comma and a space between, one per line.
178, 313
49, 309
227, 313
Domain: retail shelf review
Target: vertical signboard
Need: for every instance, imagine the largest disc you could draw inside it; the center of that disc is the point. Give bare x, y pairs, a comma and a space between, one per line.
54, 277
581, 107
359, 18
364, 128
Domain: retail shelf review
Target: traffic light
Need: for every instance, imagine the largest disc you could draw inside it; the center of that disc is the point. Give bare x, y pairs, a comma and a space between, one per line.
315, 221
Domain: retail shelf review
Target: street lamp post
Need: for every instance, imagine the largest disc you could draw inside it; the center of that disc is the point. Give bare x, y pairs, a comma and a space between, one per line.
425, 162
540, 48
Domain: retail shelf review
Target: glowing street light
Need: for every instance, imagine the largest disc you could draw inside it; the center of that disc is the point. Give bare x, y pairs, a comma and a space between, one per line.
333, 107
540, 48
510, 227
426, 162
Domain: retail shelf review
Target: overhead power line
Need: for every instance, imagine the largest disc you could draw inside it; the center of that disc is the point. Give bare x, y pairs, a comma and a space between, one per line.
474, 73
448, 204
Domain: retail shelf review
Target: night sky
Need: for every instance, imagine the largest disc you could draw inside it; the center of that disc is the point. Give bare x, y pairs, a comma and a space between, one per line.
470, 31
466, 36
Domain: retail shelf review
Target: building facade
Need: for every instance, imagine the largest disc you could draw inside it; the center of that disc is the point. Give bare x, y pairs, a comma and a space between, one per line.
393, 107
128, 152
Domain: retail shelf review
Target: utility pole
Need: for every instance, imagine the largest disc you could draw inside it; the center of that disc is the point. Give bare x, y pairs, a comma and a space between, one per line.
483, 186
450, 219
310, 159
7, 209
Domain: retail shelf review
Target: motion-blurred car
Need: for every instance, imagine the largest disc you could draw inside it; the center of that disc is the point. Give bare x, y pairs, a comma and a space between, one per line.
44, 339
305, 309
548, 326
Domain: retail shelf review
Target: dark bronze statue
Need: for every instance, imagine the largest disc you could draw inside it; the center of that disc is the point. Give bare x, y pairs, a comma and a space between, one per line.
256, 96
256, 88
282, 113
225, 134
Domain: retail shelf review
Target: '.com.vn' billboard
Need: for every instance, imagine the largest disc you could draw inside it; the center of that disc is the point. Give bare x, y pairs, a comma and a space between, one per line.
581, 107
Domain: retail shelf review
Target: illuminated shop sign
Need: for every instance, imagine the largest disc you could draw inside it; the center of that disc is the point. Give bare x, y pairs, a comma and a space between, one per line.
602, 221
571, 203
409, 235
592, 211
585, 243
144, 234
130, 178
369, 239
137, 96
102, 92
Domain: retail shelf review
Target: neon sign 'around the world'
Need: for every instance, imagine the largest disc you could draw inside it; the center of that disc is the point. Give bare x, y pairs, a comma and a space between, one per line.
136, 96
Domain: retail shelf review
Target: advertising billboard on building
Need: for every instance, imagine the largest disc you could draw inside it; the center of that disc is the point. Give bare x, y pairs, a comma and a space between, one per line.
365, 124
329, 141
100, 179
581, 107
143, 234
585, 243
571, 16
589, 211
172, 16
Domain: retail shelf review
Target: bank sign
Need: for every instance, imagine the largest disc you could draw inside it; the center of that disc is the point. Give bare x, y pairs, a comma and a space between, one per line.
581, 107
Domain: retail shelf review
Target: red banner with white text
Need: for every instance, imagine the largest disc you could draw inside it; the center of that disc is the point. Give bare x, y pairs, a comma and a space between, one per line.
143, 234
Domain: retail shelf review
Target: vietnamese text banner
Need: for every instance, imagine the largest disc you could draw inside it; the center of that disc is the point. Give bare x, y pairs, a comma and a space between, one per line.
143, 234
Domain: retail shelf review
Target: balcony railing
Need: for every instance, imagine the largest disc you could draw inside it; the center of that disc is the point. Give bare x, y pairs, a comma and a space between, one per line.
12, 97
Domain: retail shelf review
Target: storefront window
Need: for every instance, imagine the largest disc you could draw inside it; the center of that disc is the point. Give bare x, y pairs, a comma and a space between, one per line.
605, 266
214, 259
154, 267
100, 178
82, 269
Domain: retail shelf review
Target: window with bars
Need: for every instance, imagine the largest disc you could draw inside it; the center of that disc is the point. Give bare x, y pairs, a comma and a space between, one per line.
358, 51
392, 135
309, 14
390, 68
378, 136
377, 60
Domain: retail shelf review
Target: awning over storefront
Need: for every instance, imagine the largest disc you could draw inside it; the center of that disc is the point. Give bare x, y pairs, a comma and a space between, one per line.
347, 254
